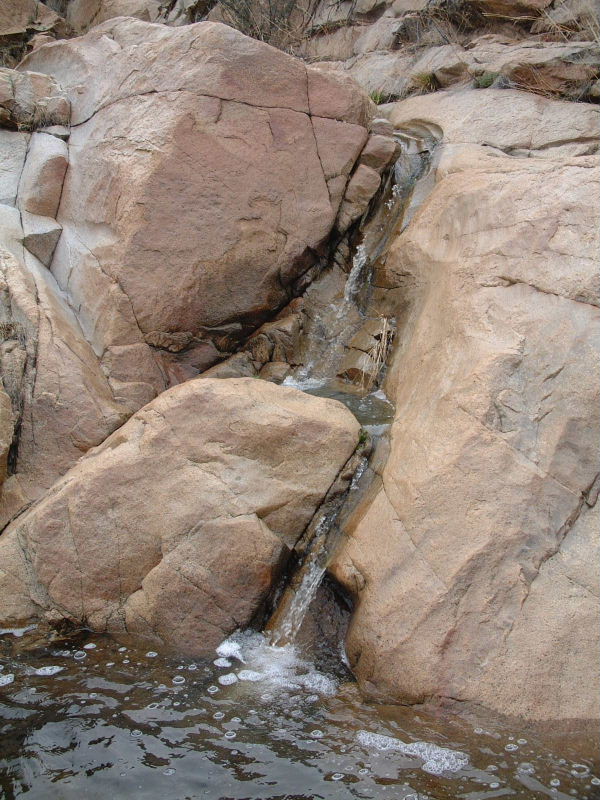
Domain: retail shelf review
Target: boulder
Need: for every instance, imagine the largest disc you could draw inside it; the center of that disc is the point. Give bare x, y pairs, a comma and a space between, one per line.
361, 188
29, 100
20, 20
174, 529
84, 14
473, 566
62, 403
508, 120
42, 178
197, 193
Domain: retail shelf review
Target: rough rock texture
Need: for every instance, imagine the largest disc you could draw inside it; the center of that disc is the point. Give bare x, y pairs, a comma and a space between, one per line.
174, 528
509, 121
61, 402
84, 14
412, 47
199, 189
29, 100
474, 567
20, 20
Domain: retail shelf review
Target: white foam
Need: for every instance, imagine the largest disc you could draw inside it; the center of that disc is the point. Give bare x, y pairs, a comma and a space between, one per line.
281, 667
18, 632
230, 648
6, 679
436, 760
250, 675
48, 670
228, 679
222, 662
303, 383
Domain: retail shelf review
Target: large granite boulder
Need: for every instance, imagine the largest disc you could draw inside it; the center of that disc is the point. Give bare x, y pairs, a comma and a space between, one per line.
175, 527
206, 172
474, 567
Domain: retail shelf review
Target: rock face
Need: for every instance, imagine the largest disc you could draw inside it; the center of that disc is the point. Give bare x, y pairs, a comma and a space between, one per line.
201, 178
474, 568
396, 49
174, 528
206, 172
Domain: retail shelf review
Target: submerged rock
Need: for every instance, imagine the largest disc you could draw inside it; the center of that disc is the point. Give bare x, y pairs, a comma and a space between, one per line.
176, 526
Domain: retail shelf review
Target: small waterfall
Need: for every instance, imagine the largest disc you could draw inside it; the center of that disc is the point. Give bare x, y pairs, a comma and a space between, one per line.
317, 545
332, 326
291, 621
355, 277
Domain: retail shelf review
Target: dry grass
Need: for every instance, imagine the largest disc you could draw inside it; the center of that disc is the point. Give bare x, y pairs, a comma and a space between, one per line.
377, 355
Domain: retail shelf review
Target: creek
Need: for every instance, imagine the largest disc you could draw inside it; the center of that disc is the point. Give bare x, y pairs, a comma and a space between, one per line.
275, 715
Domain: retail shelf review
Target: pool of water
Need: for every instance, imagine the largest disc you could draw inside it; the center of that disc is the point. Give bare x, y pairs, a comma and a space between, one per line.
87, 717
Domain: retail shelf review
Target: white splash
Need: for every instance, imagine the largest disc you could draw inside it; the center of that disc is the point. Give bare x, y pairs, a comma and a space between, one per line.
230, 648
279, 667
436, 760
355, 278
18, 632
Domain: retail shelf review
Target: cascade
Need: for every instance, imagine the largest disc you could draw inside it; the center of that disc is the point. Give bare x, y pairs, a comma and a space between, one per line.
327, 340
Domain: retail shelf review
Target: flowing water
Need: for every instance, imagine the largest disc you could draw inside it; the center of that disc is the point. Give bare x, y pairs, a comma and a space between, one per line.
89, 718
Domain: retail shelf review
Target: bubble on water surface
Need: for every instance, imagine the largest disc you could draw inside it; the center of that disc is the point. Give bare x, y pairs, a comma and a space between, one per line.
6, 679
79, 655
151, 654
89, 646
136, 733
521, 741
580, 770
437, 760
511, 747
230, 735
494, 785
554, 782
110, 663
526, 767
169, 771
595, 781
363, 771
192, 667
223, 663
212, 689
218, 715
227, 680
126, 661
48, 670
317, 734
178, 679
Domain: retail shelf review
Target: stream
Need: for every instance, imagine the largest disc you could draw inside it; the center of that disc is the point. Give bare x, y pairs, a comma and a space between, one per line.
84, 716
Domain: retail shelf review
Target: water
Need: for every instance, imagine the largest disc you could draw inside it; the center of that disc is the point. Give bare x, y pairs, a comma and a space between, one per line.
327, 337
282, 730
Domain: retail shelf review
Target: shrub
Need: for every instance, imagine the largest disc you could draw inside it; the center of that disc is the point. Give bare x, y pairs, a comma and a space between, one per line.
486, 79
424, 82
